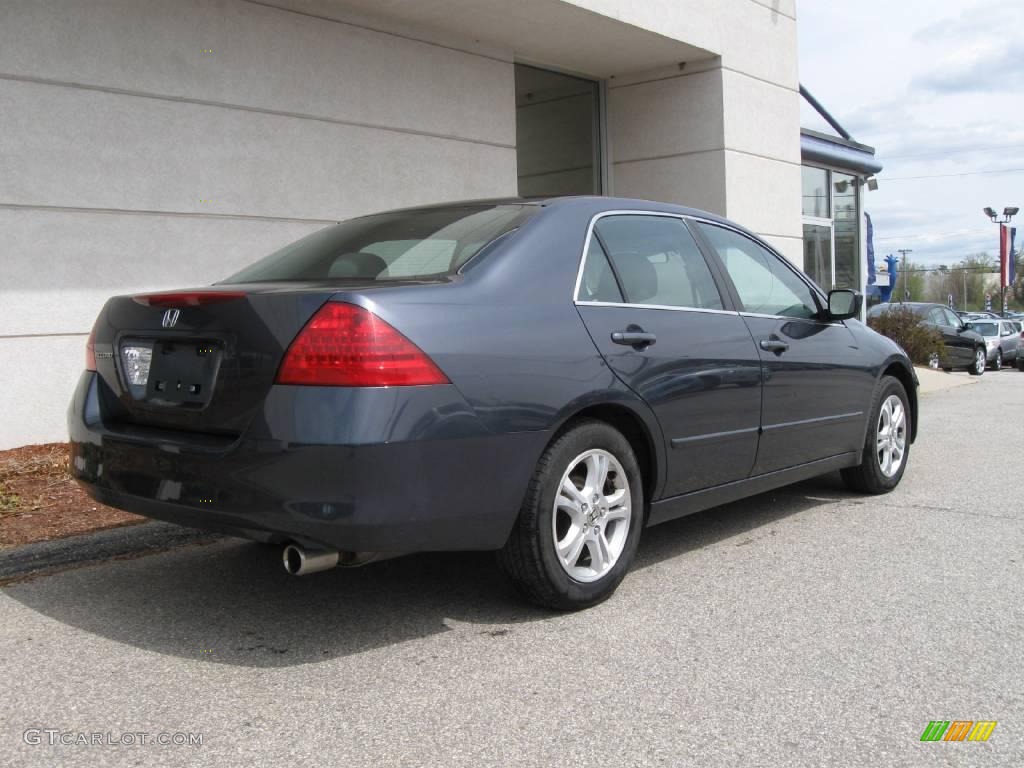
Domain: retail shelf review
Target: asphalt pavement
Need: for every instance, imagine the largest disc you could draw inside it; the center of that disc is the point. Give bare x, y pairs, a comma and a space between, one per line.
804, 627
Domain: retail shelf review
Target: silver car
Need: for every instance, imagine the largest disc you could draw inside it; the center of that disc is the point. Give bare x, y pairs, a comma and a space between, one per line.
1018, 324
1002, 340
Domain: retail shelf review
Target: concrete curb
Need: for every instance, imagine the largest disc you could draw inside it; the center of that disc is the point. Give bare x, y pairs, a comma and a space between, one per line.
46, 557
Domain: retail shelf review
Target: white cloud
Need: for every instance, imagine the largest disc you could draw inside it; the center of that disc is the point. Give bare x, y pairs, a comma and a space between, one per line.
983, 67
936, 88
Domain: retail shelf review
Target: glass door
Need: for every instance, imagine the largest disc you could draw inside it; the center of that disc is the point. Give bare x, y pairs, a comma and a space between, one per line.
818, 262
846, 222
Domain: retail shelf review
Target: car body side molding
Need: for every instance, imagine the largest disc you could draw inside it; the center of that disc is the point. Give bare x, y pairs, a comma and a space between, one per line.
689, 503
819, 420
712, 436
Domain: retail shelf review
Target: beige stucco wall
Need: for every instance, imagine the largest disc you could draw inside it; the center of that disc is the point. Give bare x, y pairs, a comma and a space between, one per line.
150, 144
131, 159
720, 134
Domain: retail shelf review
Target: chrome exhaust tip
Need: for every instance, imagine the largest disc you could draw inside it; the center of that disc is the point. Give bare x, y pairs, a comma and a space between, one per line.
298, 561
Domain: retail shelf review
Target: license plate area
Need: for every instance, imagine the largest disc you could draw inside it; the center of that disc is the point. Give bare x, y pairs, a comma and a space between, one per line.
181, 373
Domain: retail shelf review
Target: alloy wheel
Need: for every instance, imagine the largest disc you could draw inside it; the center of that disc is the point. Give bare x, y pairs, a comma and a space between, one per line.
979, 361
591, 516
891, 437
998, 364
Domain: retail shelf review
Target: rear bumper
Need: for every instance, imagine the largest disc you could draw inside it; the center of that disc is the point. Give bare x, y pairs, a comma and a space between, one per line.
409, 469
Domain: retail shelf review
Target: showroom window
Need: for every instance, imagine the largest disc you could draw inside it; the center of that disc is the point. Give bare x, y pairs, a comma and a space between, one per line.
559, 127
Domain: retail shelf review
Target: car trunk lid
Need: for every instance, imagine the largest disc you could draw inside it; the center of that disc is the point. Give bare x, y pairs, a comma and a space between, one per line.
201, 360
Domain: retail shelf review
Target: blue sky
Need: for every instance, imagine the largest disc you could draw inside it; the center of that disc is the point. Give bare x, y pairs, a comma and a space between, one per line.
937, 87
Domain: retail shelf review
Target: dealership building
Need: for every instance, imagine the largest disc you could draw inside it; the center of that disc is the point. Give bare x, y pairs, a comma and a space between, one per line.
151, 144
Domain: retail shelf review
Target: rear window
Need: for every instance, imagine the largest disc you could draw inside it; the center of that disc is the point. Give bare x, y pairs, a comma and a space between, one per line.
402, 245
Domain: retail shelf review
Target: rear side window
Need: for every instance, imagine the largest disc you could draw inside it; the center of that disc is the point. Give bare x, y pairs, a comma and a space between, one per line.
402, 245
598, 283
765, 285
936, 316
952, 321
656, 261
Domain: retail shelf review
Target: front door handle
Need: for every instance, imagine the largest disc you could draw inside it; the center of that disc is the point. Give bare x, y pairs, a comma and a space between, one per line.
634, 338
778, 346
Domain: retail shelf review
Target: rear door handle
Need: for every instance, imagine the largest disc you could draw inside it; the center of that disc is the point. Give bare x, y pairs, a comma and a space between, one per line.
633, 338
778, 346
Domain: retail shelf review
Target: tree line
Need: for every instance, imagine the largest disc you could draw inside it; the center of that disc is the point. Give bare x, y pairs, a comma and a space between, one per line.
968, 281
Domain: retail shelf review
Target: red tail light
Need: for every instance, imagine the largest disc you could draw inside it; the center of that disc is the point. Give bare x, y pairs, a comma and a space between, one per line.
187, 298
90, 351
347, 346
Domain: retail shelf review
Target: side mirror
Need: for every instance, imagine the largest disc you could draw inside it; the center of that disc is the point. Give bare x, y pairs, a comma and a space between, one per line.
843, 304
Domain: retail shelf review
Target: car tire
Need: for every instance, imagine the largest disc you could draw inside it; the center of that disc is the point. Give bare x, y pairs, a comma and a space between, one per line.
874, 475
997, 364
978, 368
577, 575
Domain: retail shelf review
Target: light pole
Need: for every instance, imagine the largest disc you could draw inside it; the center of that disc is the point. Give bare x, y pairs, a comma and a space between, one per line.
903, 271
1008, 213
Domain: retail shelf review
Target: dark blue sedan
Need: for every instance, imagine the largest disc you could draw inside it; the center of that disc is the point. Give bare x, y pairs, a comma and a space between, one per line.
544, 378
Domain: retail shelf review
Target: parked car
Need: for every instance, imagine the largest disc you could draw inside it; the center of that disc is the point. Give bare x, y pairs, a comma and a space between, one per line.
1018, 325
962, 347
543, 378
1002, 340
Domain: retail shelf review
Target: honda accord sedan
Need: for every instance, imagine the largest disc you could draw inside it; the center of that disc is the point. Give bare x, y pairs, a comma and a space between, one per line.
543, 378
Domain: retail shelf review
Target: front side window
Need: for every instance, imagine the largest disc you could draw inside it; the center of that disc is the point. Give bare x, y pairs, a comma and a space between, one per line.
403, 245
765, 285
658, 262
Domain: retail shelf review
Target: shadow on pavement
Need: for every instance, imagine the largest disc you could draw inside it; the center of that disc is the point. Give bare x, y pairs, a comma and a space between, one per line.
231, 602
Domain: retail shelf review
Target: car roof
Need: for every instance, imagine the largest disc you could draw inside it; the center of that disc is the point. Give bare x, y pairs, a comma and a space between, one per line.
911, 304
599, 203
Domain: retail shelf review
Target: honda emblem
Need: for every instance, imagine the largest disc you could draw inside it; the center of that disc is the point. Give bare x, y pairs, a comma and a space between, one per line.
170, 318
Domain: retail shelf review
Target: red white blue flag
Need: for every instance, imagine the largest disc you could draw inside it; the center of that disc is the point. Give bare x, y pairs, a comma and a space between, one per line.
1006, 267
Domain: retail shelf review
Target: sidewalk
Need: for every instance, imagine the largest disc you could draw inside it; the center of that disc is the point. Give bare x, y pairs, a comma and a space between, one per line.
939, 381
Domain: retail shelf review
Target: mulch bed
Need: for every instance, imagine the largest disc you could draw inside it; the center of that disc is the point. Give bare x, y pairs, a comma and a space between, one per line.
39, 500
